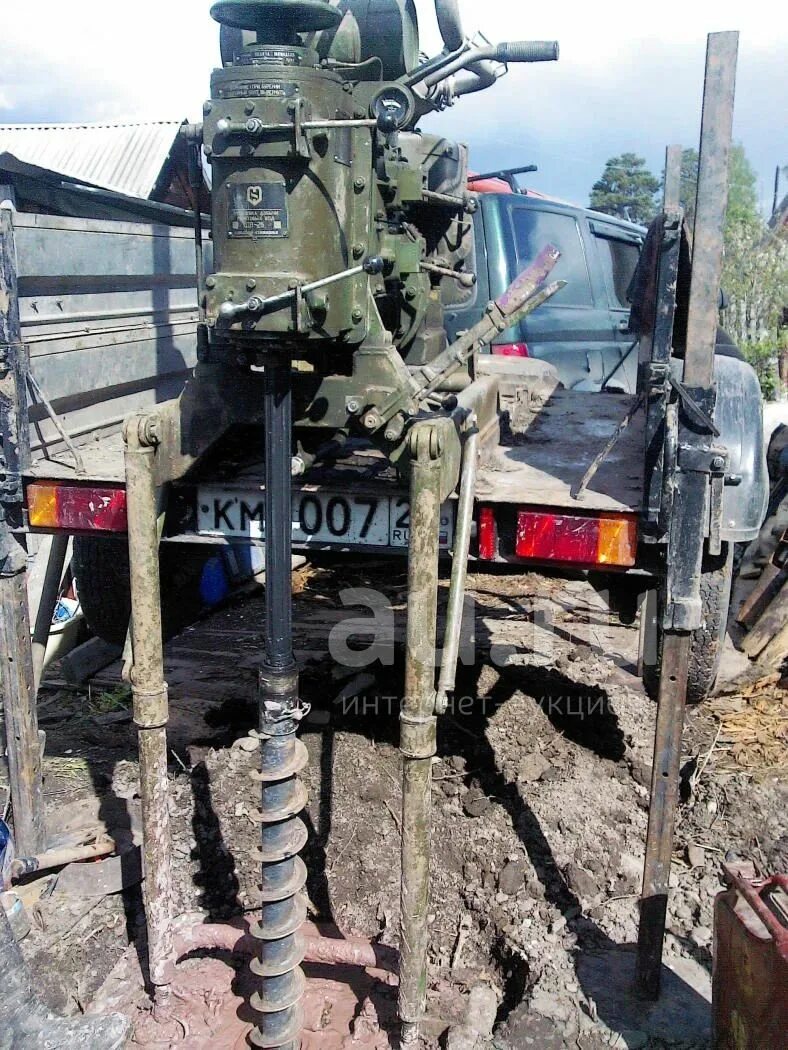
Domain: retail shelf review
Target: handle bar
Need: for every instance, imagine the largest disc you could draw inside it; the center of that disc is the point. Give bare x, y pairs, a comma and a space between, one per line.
527, 51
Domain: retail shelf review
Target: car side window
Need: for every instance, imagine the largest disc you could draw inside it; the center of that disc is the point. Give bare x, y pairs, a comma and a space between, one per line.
619, 259
534, 230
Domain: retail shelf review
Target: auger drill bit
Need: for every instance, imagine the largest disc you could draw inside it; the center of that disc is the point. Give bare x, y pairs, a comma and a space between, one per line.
283, 756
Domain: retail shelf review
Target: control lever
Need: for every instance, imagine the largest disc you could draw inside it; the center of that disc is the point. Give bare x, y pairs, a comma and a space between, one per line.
256, 304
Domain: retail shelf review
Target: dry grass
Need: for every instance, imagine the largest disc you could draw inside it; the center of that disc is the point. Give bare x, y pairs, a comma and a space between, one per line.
753, 733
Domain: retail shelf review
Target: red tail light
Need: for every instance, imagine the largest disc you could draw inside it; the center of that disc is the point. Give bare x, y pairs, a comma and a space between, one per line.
76, 508
609, 539
511, 350
487, 534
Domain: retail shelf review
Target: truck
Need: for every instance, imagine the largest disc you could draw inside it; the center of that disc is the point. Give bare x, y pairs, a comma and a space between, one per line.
332, 406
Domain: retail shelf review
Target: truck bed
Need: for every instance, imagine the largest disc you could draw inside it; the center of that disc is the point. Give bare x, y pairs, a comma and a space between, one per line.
540, 462
537, 464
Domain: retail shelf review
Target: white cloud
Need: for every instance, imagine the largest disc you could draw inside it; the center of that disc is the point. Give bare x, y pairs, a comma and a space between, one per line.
630, 74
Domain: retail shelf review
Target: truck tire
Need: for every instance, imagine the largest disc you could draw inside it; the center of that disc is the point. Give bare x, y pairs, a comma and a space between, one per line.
707, 641
101, 568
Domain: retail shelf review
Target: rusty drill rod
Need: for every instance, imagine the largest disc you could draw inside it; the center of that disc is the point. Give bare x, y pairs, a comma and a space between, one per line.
418, 738
149, 691
662, 810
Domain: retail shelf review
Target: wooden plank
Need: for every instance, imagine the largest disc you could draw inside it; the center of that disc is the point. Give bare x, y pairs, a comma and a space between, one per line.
21, 722
772, 621
16, 656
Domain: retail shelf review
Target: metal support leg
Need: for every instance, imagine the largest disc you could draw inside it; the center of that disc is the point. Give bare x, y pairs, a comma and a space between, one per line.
151, 710
46, 607
459, 572
283, 756
418, 737
662, 811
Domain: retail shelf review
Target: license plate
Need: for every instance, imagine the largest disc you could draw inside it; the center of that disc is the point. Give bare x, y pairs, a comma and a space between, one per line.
320, 519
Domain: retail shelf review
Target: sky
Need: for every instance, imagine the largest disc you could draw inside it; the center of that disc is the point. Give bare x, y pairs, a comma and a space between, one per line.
630, 78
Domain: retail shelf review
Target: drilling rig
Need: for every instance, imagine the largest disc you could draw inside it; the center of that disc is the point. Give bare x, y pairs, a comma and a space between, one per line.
335, 224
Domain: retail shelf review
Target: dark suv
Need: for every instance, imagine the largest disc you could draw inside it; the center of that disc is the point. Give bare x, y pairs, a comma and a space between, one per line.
583, 330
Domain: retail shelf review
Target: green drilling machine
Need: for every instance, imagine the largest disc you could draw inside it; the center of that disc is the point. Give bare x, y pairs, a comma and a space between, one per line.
338, 229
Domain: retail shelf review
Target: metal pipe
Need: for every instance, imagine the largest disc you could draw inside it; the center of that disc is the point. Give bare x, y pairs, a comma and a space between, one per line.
417, 732
459, 572
662, 810
344, 951
149, 692
46, 607
449, 19
283, 833
78, 460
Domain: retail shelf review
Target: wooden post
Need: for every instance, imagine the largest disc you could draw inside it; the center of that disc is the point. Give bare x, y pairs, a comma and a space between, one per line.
16, 656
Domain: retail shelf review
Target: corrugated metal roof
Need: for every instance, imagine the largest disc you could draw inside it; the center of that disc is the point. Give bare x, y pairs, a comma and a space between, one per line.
127, 158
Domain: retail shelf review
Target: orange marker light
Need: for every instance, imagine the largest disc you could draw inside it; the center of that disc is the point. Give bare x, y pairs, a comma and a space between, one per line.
572, 539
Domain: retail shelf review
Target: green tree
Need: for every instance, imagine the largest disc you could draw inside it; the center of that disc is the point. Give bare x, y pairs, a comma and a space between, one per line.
689, 183
742, 195
626, 189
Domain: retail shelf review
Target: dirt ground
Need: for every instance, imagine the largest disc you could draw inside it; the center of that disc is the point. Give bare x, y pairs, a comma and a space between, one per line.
540, 804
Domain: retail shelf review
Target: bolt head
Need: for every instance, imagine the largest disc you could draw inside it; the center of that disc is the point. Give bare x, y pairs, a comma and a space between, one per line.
251, 284
249, 108
358, 251
210, 282
360, 183
357, 316
718, 463
371, 420
353, 406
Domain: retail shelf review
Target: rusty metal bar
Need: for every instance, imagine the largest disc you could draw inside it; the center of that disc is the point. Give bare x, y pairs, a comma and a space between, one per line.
710, 208
149, 690
342, 951
662, 810
418, 730
692, 480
